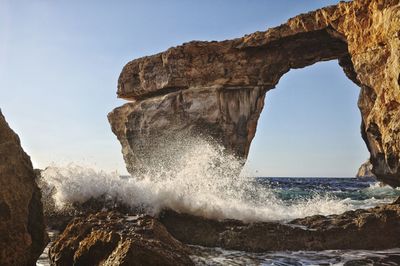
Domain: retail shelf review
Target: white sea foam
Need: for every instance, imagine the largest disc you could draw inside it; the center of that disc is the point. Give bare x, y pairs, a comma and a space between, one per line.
379, 189
205, 182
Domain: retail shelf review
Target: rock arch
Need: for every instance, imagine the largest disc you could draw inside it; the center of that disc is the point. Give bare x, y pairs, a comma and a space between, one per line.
218, 88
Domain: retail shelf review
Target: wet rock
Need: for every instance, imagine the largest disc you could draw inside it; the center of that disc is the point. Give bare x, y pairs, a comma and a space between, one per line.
217, 89
101, 203
376, 228
22, 229
58, 219
110, 238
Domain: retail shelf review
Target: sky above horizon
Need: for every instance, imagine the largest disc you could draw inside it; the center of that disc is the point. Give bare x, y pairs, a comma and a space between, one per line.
60, 61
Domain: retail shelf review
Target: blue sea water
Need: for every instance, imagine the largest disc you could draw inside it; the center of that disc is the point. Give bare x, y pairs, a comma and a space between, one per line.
346, 193
362, 193
295, 188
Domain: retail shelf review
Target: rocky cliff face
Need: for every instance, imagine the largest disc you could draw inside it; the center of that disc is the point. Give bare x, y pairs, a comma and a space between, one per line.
217, 89
114, 239
22, 230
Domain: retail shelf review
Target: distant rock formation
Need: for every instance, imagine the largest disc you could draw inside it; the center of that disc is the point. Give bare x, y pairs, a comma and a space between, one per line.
217, 88
365, 171
22, 229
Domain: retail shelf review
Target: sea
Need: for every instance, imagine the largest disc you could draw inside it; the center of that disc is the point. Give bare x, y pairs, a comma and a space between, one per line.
293, 197
354, 193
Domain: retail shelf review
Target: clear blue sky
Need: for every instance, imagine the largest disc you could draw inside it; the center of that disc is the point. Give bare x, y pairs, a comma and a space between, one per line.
60, 60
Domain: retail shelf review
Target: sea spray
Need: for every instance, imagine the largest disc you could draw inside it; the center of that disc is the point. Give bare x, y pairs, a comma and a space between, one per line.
203, 180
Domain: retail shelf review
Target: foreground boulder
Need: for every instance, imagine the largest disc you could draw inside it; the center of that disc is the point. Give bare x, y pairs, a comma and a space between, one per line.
22, 229
110, 238
375, 228
217, 89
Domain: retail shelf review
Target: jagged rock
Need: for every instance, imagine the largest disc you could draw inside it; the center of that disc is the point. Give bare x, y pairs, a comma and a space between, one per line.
110, 238
217, 89
22, 230
376, 228
365, 171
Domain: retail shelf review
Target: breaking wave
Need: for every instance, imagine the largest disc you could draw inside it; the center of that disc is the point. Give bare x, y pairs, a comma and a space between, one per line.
204, 181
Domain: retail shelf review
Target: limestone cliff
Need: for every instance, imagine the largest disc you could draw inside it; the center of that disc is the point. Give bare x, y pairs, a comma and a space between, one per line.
22, 230
365, 171
217, 89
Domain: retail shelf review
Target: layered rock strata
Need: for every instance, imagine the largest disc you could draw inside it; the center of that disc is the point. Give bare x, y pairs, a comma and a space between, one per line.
109, 238
217, 89
22, 229
376, 228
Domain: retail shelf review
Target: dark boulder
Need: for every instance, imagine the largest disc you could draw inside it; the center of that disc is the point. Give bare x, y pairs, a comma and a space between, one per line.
22, 230
110, 238
375, 228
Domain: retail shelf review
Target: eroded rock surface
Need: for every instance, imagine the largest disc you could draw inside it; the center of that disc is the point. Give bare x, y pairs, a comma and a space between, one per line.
110, 238
22, 229
376, 228
365, 171
217, 88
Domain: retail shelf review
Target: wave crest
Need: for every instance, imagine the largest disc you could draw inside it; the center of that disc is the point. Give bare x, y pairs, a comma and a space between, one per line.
204, 182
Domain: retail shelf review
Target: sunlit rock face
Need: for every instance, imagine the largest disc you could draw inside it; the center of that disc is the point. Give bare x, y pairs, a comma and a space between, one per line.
22, 229
217, 89
113, 239
365, 171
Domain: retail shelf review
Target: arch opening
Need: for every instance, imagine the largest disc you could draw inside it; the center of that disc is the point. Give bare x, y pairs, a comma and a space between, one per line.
309, 126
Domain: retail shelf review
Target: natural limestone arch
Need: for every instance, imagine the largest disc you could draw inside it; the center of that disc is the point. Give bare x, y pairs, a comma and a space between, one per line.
218, 88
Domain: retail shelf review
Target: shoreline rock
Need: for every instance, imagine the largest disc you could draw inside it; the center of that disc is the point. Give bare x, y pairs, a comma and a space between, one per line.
22, 229
371, 229
110, 238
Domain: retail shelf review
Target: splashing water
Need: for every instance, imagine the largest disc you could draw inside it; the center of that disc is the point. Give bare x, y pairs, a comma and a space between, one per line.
204, 182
